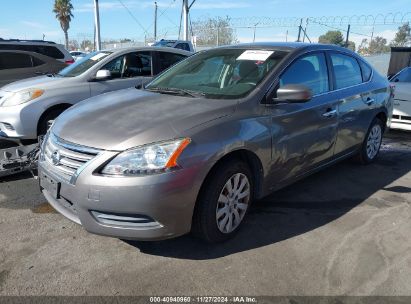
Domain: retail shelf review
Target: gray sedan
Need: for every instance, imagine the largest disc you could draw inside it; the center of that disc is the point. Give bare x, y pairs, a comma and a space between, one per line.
206, 138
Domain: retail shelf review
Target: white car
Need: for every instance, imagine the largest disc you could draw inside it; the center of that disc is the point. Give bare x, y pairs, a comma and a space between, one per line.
401, 118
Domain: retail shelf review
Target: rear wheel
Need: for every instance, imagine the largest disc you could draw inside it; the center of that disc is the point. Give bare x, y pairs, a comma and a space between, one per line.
223, 202
372, 142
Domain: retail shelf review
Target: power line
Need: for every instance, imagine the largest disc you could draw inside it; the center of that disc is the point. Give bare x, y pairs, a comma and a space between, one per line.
132, 16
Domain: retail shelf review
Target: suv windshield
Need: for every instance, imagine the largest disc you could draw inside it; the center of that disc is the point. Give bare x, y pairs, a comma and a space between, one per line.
82, 65
220, 73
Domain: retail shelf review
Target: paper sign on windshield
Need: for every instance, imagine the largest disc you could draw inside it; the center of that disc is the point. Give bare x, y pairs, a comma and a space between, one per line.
255, 55
98, 56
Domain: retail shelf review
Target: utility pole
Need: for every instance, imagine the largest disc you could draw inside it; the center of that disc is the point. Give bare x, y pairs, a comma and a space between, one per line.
286, 36
97, 26
155, 21
299, 30
348, 35
185, 19
255, 27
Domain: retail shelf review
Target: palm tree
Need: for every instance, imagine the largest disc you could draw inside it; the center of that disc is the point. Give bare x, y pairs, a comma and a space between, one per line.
62, 9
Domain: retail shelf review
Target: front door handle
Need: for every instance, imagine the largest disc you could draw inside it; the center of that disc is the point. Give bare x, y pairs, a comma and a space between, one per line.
370, 101
330, 113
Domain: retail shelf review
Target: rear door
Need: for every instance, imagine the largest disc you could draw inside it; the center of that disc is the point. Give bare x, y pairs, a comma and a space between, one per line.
304, 133
355, 101
15, 66
127, 71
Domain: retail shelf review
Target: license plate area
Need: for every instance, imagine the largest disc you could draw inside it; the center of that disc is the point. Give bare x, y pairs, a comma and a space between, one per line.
51, 186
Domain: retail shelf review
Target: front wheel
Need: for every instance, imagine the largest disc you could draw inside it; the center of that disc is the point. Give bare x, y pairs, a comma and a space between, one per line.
223, 202
372, 143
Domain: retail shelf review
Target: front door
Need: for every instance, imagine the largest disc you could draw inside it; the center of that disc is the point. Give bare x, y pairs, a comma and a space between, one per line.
128, 70
304, 133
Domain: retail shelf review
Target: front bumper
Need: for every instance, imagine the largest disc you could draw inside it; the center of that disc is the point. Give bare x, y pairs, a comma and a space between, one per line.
18, 122
149, 207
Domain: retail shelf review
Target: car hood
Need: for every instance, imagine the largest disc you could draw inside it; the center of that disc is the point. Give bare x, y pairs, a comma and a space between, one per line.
128, 118
39, 82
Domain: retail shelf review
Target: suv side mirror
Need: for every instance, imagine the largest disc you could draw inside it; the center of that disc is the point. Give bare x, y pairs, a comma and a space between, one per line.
293, 93
103, 75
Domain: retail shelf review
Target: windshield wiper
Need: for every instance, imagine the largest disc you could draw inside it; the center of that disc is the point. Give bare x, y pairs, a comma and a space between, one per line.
176, 91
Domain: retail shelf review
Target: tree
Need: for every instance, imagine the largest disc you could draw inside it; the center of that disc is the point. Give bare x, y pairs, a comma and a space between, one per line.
377, 46
63, 10
214, 31
332, 37
337, 38
403, 36
87, 45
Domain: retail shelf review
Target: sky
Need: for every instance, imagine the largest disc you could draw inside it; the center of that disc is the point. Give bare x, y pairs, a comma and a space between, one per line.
29, 19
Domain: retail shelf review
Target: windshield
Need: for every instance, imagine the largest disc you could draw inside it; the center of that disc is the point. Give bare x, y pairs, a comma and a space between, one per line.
83, 64
164, 43
220, 73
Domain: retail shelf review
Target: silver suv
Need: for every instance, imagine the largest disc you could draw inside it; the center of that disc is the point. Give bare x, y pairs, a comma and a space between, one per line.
28, 106
46, 48
206, 138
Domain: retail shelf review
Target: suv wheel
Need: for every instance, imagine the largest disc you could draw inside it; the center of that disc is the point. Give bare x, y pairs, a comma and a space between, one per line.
372, 143
223, 202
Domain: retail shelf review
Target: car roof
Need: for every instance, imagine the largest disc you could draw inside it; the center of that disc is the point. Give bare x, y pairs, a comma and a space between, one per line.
149, 48
286, 46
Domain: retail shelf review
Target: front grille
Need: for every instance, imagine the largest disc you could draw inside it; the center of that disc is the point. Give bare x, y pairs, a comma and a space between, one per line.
66, 158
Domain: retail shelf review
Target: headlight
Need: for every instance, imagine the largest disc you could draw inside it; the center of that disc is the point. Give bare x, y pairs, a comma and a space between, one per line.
149, 159
14, 99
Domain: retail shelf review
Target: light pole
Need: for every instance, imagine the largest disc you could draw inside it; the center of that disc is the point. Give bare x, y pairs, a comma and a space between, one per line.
155, 21
97, 25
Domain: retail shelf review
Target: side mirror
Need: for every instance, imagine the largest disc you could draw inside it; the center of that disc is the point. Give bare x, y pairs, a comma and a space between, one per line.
293, 93
396, 80
103, 75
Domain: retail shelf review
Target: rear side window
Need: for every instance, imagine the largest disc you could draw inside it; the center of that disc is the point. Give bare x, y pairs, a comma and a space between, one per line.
347, 71
37, 61
168, 59
366, 71
311, 71
15, 61
46, 50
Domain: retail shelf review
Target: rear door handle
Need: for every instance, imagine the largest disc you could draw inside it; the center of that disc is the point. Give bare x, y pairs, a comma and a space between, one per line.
330, 113
370, 101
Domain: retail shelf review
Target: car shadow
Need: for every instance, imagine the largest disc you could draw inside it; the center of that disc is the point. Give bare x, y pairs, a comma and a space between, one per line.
304, 206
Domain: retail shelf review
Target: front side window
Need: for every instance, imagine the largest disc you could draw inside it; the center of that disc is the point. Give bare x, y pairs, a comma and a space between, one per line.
220, 73
347, 71
15, 61
79, 67
403, 76
130, 65
311, 71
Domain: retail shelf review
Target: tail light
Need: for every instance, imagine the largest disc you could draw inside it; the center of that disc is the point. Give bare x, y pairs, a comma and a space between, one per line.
70, 61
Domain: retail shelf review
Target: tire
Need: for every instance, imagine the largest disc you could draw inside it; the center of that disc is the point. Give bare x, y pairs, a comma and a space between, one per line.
43, 125
372, 142
216, 204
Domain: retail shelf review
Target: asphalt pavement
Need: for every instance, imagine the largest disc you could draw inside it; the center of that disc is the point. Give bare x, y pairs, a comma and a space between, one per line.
343, 231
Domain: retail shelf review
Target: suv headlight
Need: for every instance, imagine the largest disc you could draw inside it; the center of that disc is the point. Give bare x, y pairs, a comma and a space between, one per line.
153, 158
14, 99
